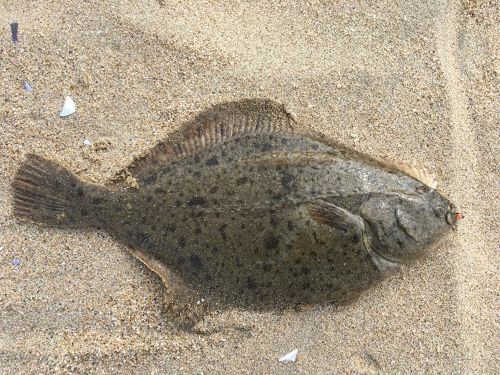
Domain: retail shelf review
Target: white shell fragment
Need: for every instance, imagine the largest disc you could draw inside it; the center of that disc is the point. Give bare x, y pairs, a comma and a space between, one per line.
87, 142
290, 357
68, 107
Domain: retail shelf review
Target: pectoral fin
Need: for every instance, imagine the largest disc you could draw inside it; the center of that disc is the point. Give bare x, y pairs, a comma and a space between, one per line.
353, 226
330, 214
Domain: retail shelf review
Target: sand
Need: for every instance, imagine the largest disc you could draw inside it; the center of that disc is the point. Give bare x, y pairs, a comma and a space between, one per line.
410, 80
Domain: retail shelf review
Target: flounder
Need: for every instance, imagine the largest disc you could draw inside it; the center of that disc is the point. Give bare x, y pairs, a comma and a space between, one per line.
242, 207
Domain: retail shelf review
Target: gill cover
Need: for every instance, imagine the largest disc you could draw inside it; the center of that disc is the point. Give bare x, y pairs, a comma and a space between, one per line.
403, 227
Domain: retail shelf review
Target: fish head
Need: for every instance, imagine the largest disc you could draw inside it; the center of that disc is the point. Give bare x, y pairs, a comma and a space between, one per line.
401, 227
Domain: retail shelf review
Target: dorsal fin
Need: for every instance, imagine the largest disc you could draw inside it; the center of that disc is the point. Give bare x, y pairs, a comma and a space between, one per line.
215, 125
417, 173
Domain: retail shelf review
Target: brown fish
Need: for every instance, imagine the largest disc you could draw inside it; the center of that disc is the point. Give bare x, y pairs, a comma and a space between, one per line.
242, 207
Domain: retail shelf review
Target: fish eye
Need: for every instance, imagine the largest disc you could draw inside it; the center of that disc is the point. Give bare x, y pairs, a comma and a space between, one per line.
422, 189
439, 211
449, 217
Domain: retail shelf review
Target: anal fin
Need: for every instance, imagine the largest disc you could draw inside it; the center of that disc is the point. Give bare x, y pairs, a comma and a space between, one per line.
181, 303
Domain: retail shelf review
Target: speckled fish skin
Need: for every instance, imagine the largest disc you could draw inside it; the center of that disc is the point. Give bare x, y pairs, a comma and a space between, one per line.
263, 218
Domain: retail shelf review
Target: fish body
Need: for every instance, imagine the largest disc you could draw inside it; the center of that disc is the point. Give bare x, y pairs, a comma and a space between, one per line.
246, 210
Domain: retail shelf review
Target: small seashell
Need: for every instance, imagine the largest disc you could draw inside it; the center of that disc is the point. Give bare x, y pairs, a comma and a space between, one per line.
68, 107
290, 357
28, 87
86, 142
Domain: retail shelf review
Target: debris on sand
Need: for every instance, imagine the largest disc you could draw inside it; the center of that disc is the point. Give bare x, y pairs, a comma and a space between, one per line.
290, 357
68, 107
13, 28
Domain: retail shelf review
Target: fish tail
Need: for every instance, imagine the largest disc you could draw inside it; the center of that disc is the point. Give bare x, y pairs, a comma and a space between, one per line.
48, 194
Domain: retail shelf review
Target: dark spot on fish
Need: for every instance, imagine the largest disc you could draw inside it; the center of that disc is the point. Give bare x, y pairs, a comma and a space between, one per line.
305, 270
197, 230
97, 201
278, 196
196, 213
266, 146
298, 260
170, 228
143, 240
197, 174
287, 180
212, 161
150, 179
230, 192
314, 146
148, 199
181, 242
251, 284
243, 226
195, 261
196, 158
159, 190
222, 231
317, 240
242, 180
196, 201
178, 203
84, 212
355, 236
274, 221
267, 267
306, 285
239, 264
271, 241
214, 189
214, 249
79, 192
290, 225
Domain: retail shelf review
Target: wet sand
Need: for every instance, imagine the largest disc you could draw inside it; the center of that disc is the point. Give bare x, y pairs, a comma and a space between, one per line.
412, 81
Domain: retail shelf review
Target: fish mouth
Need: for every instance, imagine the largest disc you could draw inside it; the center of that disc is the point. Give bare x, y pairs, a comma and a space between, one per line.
453, 216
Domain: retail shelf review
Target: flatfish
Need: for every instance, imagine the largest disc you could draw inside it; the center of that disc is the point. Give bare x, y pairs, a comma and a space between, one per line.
243, 207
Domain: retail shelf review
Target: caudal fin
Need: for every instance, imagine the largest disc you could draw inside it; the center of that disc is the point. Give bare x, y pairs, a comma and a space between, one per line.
48, 194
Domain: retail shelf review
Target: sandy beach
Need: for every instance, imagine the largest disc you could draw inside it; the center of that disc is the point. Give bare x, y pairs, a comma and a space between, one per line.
411, 81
